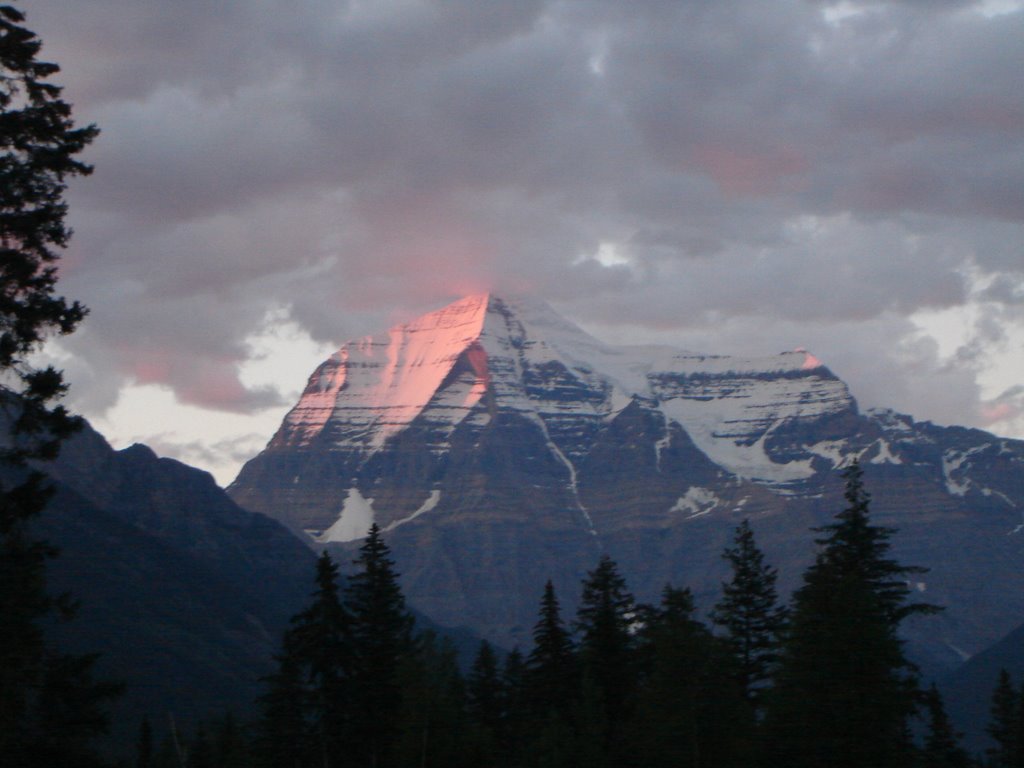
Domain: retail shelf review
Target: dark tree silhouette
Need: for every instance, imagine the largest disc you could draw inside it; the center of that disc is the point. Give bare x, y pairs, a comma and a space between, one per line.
845, 690
50, 707
604, 623
1004, 725
750, 613
690, 711
381, 637
942, 743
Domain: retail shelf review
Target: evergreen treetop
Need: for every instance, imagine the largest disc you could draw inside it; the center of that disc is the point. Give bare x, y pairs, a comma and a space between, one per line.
1004, 723
605, 622
551, 665
750, 613
381, 636
38, 145
844, 689
50, 708
942, 743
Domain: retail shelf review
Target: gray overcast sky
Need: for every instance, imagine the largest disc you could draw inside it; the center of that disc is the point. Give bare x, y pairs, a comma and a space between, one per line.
735, 176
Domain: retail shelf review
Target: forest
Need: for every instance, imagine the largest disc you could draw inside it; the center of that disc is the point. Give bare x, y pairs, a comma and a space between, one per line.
821, 681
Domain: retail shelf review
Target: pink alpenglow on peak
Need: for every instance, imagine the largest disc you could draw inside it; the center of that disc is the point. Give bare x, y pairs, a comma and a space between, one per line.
380, 383
486, 354
810, 361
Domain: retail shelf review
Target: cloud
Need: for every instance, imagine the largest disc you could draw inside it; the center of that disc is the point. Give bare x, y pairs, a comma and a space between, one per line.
814, 166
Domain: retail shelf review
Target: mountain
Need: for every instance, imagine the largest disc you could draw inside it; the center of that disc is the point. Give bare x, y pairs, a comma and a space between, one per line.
183, 594
969, 688
497, 445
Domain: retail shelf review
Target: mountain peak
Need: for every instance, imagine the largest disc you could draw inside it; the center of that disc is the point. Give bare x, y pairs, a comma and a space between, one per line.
486, 354
496, 444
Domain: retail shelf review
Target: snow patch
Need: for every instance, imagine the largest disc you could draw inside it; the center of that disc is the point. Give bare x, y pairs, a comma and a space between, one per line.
952, 461
832, 450
696, 502
354, 521
885, 454
662, 443
998, 494
573, 483
964, 656
720, 428
426, 506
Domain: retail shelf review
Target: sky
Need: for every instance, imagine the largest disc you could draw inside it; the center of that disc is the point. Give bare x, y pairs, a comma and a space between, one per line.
728, 176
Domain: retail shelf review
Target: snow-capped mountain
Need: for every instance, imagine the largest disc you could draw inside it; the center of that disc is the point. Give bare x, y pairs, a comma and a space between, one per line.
498, 445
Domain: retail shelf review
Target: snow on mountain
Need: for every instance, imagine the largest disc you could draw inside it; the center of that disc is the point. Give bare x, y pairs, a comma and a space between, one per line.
528, 359
500, 445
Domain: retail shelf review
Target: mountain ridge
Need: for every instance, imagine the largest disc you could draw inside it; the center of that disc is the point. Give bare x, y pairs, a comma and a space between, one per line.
499, 444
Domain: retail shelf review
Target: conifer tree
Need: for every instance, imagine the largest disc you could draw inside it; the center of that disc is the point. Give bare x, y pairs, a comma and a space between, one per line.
1004, 726
513, 708
284, 735
320, 637
432, 718
50, 706
1017, 757
941, 746
690, 710
381, 636
306, 711
750, 613
604, 624
845, 690
485, 698
549, 686
550, 672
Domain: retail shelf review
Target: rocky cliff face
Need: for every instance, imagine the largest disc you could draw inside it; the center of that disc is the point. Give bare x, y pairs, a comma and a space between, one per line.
499, 445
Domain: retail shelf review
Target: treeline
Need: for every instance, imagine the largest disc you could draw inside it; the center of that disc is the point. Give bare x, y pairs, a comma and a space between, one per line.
821, 682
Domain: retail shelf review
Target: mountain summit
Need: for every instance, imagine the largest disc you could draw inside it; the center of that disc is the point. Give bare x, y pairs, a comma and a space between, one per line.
497, 444
485, 355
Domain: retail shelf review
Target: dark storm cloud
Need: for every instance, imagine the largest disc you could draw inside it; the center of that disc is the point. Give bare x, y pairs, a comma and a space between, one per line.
793, 164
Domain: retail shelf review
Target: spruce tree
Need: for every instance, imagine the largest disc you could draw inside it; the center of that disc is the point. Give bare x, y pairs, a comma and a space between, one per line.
50, 706
550, 688
320, 637
284, 736
690, 708
942, 744
513, 708
604, 623
550, 672
432, 722
750, 613
381, 636
1003, 726
306, 711
485, 699
845, 690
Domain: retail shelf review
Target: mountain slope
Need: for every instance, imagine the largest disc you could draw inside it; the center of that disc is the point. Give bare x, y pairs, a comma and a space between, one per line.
498, 445
183, 594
